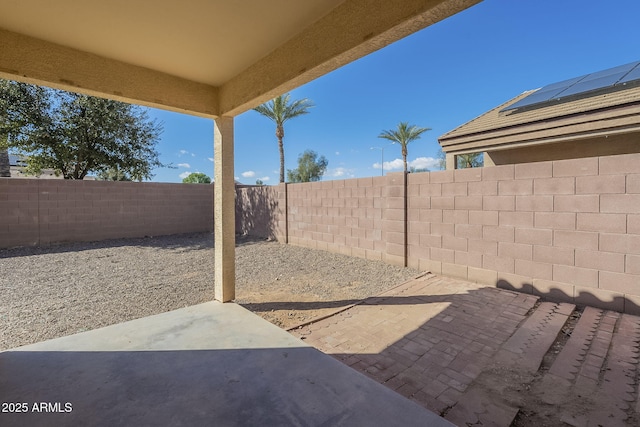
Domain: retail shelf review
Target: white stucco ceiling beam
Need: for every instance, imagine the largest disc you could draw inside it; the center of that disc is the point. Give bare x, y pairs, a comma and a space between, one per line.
37, 61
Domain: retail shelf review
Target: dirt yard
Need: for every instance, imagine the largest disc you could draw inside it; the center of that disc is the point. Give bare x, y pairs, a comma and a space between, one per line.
60, 290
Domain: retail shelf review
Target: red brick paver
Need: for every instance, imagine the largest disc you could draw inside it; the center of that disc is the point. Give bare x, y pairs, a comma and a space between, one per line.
535, 336
597, 367
488, 401
427, 339
481, 356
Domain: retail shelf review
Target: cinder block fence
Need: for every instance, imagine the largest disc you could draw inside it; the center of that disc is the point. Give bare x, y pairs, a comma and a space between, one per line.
46, 211
568, 229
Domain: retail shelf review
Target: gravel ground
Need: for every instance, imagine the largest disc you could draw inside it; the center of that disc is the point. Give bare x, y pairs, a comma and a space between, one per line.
60, 290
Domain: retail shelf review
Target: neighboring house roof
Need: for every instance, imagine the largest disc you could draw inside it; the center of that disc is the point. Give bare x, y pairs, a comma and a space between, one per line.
605, 112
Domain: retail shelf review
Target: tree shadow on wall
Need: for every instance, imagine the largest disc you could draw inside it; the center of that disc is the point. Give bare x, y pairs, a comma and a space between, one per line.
257, 211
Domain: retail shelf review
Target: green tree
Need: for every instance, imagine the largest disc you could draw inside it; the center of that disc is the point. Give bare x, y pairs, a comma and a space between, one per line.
18, 105
113, 174
310, 167
259, 182
414, 169
197, 178
76, 134
403, 135
473, 160
279, 110
442, 159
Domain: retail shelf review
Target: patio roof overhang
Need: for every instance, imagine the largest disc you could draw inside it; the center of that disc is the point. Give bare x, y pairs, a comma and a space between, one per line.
211, 58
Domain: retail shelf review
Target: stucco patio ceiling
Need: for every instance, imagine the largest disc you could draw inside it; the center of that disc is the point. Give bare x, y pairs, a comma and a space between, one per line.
205, 57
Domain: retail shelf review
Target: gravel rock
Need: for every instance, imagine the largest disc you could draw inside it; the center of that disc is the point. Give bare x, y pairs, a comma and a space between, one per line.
48, 292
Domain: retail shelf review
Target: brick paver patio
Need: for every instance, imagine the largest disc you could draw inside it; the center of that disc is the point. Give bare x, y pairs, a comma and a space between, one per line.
453, 346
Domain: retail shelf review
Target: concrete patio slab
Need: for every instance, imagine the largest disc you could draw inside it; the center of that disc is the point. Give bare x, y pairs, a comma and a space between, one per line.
210, 364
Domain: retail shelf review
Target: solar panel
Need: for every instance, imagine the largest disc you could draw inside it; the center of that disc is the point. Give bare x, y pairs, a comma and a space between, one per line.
598, 80
543, 94
633, 75
610, 79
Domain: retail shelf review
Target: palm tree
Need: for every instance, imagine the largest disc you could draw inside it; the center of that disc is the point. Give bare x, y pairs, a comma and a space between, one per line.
473, 160
403, 136
279, 110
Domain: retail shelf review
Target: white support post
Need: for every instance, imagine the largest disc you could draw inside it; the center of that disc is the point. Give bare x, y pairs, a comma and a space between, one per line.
224, 210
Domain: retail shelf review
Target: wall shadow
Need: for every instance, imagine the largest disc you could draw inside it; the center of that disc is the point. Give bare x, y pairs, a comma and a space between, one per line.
184, 242
315, 305
435, 361
256, 211
619, 303
430, 361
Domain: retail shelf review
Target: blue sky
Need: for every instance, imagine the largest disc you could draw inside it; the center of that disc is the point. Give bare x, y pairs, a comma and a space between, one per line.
440, 77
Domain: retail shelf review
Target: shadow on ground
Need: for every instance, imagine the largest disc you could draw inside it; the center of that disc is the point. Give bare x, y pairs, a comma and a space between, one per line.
184, 242
480, 354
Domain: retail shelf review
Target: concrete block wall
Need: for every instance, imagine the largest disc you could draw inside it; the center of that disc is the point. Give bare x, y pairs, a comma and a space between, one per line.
260, 211
19, 212
42, 212
345, 216
567, 229
393, 219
